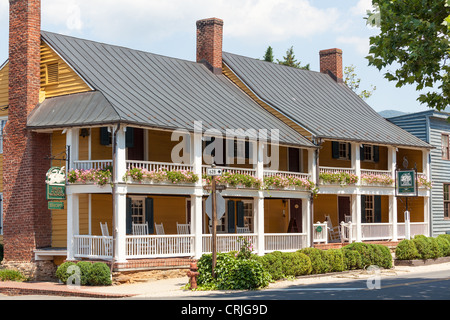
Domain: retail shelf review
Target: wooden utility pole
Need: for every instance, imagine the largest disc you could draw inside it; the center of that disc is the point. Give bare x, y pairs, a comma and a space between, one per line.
214, 226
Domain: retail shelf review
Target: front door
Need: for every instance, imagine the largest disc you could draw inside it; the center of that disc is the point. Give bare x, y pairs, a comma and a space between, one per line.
343, 207
295, 223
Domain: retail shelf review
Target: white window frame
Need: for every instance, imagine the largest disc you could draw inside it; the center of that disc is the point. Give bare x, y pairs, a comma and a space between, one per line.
369, 208
3, 121
370, 152
140, 216
343, 151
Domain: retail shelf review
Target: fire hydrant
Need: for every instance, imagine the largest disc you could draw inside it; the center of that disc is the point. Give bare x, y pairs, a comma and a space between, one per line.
192, 274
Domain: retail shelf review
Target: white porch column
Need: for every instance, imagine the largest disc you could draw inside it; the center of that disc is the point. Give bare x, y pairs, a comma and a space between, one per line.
259, 222
393, 213
356, 165
120, 197
73, 225
259, 201
196, 198
307, 223
72, 137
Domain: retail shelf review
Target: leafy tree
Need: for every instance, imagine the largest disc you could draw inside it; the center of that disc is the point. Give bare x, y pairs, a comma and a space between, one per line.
268, 56
414, 36
351, 80
289, 60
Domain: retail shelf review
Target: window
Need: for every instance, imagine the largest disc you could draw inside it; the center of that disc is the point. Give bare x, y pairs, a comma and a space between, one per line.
343, 152
447, 201
369, 209
2, 126
1, 213
340, 150
248, 215
368, 152
138, 210
445, 147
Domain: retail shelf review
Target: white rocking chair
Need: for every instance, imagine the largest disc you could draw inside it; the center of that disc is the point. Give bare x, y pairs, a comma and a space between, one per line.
183, 228
106, 241
140, 229
333, 232
159, 228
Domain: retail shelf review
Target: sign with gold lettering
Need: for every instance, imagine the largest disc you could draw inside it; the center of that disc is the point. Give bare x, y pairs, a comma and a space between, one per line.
56, 184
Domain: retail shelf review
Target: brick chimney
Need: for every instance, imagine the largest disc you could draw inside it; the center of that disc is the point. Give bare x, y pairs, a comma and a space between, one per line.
331, 63
27, 220
209, 43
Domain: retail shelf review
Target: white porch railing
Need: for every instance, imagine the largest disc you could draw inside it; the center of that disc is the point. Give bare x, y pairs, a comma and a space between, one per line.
92, 164
93, 247
286, 174
284, 241
227, 242
376, 172
156, 166
336, 170
415, 229
159, 246
376, 231
320, 232
249, 171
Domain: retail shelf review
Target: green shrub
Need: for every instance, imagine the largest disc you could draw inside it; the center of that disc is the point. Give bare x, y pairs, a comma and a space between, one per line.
372, 254
61, 272
444, 243
273, 264
232, 273
428, 248
11, 275
319, 260
336, 260
296, 264
352, 259
99, 275
406, 250
85, 268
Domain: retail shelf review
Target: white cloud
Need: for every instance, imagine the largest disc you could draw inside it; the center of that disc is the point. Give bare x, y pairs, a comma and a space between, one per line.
361, 7
156, 19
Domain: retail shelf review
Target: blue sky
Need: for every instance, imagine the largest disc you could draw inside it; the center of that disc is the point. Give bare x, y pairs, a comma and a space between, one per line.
250, 26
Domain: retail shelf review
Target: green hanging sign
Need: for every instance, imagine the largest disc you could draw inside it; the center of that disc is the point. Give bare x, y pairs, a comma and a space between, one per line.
406, 183
56, 184
53, 205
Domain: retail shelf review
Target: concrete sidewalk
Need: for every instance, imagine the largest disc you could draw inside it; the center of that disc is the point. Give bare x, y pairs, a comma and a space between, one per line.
173, 288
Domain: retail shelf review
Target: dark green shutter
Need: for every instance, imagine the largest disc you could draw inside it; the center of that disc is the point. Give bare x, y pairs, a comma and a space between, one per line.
128, 217
335, 149
361, 153
105, 137
376, 153
349, 151
377, 208
149, 215
129, 137
240, 213
231, 218
363, 208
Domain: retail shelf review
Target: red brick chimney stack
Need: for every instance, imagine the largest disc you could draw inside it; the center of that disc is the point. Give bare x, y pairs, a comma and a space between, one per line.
331, 63
209, 43
27, 220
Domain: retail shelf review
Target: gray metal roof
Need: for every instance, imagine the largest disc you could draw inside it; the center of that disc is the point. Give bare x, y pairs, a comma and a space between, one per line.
318, 103
80, 109
155, 91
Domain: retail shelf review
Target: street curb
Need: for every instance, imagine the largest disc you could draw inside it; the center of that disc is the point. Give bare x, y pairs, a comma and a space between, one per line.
421, 262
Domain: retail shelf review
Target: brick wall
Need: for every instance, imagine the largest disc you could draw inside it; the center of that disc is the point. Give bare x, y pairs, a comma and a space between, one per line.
209, 43
27, 221
331, 60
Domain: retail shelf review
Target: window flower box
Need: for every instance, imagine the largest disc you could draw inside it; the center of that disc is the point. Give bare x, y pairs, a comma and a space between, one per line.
377, 179
99, 177
162, 176
340, 178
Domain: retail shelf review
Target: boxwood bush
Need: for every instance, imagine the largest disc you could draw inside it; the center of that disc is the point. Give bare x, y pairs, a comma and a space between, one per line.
427, 247
319, 260
352, 259
12, 275
422, 247
273, 264
91, 274
372, 254
406, 250
336, 260
296, 264
444, 243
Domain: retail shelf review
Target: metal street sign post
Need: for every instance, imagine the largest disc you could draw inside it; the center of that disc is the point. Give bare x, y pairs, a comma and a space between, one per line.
214, 172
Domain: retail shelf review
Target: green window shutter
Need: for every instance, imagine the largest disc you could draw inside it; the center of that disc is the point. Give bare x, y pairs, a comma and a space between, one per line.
349, 151
128, 217
129, 137
240, 213
335, 149
376, 153
231, 217
361, 153
363, 208
149, 217
377, 208
105, 136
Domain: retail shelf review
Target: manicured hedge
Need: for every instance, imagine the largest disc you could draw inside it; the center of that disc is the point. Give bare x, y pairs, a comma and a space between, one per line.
422, 247
87, 273
255, 271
